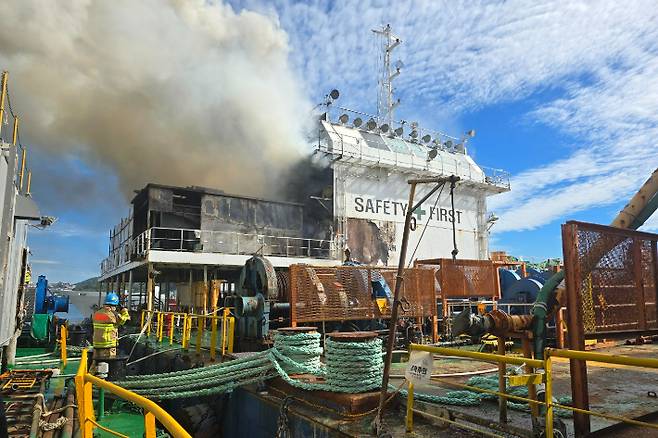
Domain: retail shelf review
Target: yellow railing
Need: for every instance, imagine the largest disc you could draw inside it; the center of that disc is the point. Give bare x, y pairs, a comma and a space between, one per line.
593, 357
186, 321
531, 379
63, 334
83, 388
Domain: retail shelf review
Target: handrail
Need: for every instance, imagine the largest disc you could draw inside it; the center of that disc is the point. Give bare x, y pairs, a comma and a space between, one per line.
641, 362
83, 384
546, 377
227, 328
485, 357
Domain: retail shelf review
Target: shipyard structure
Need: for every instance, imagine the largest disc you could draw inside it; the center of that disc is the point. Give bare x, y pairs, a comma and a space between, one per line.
196, 240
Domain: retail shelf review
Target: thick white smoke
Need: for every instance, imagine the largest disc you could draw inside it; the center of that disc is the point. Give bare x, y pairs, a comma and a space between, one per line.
184, 92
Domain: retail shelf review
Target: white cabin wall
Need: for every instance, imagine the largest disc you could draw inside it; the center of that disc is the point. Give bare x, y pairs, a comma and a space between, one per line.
371, 211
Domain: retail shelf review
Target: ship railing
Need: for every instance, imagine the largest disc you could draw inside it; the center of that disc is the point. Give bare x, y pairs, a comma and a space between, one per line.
496, 177
409, 155
207, 331
536, 372
84, 383
228, 242
225, 242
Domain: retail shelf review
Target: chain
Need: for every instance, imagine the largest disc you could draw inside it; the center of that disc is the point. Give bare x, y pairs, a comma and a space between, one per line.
61, 421
283, 428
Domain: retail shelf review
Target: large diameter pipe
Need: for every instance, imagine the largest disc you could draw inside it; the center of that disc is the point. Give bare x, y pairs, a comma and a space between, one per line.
627, 217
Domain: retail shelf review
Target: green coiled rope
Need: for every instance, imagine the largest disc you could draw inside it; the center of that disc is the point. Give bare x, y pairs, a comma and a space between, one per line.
351, 367
299, 353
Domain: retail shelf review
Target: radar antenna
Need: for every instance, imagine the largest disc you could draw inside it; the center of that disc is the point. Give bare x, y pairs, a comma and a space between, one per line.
385, 101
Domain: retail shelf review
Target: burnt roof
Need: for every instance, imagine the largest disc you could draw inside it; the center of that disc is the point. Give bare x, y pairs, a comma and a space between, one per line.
209, 191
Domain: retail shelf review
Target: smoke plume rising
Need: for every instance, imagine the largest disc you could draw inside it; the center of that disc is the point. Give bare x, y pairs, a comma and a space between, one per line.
183, 92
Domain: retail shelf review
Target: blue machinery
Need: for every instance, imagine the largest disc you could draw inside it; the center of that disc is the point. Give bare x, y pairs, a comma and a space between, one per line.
45, 305
46, 302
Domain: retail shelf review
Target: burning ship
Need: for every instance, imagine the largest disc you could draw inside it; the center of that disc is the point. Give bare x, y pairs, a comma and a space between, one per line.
268, 317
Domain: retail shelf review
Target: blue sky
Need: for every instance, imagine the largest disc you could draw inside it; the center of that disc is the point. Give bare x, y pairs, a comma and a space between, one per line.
564, 95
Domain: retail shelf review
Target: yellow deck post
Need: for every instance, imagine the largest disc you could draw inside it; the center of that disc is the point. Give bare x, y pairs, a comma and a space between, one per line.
3, 93
88, 426
62, 346
213, 337
141, 324
549, 395
224, 339
231, 333
79, 381
184, 330
410, 408
149, 425
171, 330
161, 332
201, 322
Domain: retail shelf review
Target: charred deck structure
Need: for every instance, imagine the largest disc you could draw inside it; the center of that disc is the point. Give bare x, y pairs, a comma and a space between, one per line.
349, 195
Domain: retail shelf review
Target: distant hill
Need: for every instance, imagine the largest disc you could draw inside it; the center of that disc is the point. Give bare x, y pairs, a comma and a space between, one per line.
88, 284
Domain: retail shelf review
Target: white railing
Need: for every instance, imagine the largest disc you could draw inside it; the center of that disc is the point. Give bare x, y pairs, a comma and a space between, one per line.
445, 163
224, 242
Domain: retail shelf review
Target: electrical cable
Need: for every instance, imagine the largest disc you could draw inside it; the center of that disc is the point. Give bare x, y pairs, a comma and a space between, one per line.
455, 251
426, 224
148, 323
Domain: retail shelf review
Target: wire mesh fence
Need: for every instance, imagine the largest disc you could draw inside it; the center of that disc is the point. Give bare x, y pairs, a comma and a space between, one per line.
351, 292
615, 271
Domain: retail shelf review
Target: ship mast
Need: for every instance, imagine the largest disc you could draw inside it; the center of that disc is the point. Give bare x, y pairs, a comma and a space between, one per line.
385, 100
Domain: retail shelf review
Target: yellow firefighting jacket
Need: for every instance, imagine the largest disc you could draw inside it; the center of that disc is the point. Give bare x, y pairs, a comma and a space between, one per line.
106, 326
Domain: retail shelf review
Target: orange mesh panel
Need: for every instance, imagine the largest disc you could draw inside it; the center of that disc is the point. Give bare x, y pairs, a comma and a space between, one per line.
345, 292
617, 278
465, 278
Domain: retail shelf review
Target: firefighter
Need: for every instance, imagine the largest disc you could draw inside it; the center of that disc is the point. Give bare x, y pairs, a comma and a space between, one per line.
106, 327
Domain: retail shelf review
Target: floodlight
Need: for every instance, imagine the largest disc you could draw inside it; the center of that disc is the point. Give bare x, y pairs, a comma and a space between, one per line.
399, 131
448, 144
413, 134
399, 64
460, 148
384, 128
426, 138
357, 122
344, 118
371, 125
334, 94
432, 154
471, 133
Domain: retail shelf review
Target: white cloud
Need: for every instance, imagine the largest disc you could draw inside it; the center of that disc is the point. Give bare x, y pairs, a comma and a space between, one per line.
45, 262
591, 68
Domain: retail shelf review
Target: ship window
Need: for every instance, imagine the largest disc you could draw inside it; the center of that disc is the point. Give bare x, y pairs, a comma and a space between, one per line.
418, 149
374, 140
397, 145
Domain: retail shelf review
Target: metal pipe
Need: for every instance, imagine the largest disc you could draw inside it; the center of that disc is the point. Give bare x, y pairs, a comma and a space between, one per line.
14, 134
101, 403
29, 182
67, 430
394, 312
396, 296
3, 94
36, 413
485, 357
